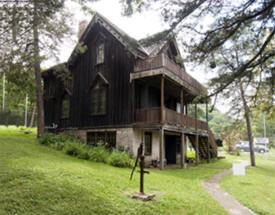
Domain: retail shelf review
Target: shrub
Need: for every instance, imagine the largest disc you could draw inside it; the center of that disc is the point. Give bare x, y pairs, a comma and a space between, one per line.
51, 138
98, 154
58, 145
76, 149
47, 139
120, 159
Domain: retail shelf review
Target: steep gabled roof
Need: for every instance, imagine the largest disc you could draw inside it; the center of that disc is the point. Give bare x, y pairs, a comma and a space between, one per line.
130, 43
146, 47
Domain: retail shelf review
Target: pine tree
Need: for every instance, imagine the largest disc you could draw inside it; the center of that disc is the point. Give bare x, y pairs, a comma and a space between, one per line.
30, 32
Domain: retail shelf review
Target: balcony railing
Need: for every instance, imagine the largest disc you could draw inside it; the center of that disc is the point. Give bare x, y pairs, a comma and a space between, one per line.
162, 61
171, 117
148, 115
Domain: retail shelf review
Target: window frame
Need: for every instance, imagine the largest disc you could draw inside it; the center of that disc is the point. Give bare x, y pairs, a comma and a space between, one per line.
109, 138
148, 153
98, 98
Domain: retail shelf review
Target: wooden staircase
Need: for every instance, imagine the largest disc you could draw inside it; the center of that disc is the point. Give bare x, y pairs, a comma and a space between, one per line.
203, 145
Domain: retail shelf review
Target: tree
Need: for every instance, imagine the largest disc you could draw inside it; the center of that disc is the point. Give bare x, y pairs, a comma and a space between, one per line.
243, 92
27, 27
227, 18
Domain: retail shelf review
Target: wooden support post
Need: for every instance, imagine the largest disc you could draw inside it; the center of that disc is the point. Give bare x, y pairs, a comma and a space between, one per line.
181, 106
208, 146
185, 146
162, 100
183, 152
182, 134
197, 135
133, 100
161, 149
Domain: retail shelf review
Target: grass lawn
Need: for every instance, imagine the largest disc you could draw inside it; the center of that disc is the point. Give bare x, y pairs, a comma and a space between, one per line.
256, 189
35, 179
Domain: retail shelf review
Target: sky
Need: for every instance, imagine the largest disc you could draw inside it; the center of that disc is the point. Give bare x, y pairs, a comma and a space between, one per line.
138, 26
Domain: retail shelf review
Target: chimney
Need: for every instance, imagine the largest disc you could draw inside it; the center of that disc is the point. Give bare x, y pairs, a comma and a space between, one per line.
81, 28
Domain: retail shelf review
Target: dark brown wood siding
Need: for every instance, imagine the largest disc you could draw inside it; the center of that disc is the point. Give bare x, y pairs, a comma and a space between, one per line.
116, 69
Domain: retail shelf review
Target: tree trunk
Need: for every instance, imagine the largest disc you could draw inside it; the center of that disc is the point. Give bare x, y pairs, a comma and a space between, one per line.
248, 125
4, 90
37, 70
32, 118
26, 111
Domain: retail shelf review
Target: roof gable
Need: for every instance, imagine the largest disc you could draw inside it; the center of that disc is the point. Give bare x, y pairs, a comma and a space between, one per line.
128, 42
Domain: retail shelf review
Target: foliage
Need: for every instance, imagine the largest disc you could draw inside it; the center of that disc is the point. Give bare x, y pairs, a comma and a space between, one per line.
226, 20
39, 180
120, 159
26, 28
51, 138
74, 147
98, 154
11, 118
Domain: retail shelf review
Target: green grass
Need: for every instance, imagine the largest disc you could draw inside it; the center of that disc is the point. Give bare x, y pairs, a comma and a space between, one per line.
36, 179
256, 189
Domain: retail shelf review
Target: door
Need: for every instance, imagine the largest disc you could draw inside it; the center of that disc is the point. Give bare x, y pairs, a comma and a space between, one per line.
171, 149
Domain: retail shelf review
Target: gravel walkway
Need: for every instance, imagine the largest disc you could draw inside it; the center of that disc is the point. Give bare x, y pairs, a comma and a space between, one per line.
225, 199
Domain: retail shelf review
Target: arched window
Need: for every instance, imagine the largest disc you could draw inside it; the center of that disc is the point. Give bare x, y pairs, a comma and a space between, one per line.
98, 100
65, 106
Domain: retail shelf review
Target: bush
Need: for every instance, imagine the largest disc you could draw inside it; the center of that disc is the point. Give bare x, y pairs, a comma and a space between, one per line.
50, 139
98, 154
47, 139
58, 145
76, 149
120, 159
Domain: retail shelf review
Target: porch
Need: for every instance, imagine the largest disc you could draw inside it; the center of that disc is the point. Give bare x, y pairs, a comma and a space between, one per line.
162, 93
152, 116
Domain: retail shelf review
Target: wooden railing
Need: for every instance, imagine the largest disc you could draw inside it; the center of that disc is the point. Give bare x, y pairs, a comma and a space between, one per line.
148, 115
189, 121
162, 61
171, 117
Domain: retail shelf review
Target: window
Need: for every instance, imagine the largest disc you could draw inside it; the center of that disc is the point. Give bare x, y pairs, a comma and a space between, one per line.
106, 138
98, 101
100, 53
148, 143
65, 106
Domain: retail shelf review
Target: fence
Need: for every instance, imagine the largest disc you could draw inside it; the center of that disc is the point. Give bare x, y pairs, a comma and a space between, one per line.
13, 117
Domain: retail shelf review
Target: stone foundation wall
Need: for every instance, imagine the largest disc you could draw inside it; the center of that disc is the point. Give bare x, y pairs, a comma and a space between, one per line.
127, 139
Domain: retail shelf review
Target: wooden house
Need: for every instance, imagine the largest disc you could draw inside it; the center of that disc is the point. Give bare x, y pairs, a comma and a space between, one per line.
123, 92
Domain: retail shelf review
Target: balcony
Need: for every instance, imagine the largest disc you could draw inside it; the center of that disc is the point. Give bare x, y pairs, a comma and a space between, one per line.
171, 117
161, 64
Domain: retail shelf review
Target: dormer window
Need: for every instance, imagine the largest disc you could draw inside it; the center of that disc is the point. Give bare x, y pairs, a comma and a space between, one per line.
100, 53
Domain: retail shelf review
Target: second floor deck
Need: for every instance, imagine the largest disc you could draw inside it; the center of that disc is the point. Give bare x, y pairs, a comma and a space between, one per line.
162, 64
152, 116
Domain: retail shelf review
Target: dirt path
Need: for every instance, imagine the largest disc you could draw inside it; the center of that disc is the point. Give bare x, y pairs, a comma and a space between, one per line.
225, 199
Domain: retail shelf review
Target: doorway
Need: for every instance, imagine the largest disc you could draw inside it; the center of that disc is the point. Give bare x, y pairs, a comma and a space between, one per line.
171, 149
